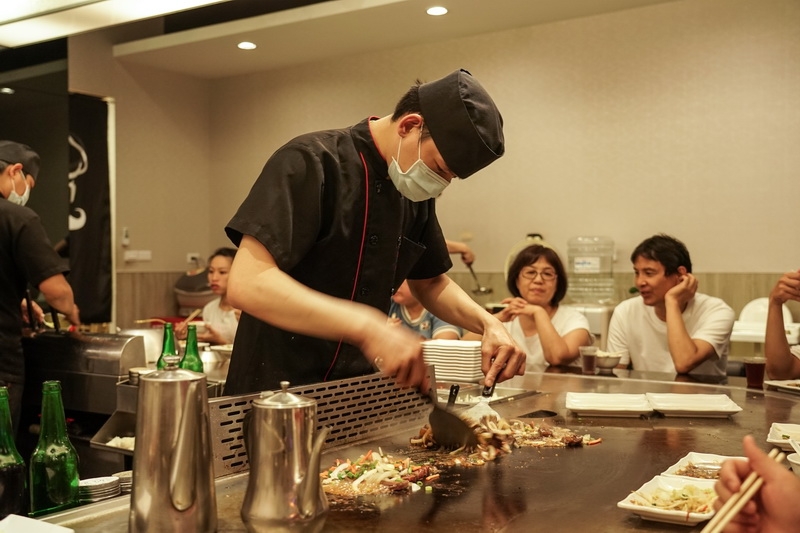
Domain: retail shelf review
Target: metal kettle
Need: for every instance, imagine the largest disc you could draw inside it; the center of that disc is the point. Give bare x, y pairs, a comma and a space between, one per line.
284, 490
173, 473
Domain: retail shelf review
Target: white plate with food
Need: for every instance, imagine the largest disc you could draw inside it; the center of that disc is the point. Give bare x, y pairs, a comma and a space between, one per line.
780, 433
698, 466
610, 404
785, 385
693, 405
672, 499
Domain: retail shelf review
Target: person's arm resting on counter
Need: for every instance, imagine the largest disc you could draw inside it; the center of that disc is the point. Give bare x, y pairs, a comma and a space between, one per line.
781, 364
258, 287
687, 352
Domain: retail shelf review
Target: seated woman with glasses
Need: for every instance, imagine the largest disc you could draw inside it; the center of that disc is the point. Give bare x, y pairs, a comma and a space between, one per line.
550, 334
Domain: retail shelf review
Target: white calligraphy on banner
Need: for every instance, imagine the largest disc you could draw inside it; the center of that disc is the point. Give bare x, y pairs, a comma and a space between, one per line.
77, 216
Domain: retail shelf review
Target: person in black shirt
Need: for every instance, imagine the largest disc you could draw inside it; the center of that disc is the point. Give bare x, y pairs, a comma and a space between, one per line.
26, 256
334, 224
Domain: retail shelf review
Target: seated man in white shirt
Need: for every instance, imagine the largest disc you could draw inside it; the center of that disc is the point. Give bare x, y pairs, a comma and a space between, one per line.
670, 327
783, 361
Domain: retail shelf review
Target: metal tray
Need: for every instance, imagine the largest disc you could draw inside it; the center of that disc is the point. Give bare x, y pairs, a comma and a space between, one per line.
470, 393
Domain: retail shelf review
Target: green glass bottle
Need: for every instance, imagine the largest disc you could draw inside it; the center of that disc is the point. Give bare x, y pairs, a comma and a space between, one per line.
12, 467
54, 477
191, 356
167, 346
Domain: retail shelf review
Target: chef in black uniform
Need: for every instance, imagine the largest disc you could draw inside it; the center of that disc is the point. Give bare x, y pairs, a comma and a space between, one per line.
336, 221
26, 256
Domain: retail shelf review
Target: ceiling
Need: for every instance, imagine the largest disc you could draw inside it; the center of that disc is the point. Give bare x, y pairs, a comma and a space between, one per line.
343, 27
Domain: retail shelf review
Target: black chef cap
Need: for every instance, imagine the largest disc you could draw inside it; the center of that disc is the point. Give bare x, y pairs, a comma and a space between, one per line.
13, 152
463, 121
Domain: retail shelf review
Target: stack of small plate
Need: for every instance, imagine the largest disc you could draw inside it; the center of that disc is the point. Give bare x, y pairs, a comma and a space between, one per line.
125, 481
98, 488
454, 360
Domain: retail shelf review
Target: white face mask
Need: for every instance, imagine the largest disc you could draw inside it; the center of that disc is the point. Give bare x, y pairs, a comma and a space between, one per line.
419, 182
15, 198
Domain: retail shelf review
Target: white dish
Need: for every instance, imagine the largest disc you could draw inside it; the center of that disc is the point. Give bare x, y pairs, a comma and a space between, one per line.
777, 432
786, 385
648, 512
438, 343
598, 404
709, 460
699, 405
222, 349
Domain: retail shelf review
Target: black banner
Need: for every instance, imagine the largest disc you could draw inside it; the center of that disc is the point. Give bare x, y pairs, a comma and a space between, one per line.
89, 241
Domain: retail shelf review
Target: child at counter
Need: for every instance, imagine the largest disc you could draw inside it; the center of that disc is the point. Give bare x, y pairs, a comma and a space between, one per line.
408, 312
221, 319
549, 334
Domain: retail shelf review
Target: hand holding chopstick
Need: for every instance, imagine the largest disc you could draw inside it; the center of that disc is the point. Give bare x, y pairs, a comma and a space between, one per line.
774, 509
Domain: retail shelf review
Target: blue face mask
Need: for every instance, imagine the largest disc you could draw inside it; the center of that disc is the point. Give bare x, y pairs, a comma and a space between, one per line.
419, 182
15, 198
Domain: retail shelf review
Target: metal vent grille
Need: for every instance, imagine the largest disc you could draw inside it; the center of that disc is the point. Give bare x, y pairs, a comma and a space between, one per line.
352, 408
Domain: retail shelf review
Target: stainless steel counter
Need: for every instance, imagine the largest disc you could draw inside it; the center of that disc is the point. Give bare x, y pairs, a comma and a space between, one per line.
532, 489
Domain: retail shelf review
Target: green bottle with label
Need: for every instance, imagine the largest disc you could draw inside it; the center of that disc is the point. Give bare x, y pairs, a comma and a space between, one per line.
54, 480
191, 356
12, 467
167, 346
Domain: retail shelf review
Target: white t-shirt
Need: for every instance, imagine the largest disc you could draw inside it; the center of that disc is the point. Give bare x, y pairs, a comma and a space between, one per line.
635, 327
564, 320
223, 322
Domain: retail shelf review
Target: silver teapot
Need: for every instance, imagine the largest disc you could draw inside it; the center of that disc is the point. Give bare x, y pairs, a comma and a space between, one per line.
173, 474
284, 492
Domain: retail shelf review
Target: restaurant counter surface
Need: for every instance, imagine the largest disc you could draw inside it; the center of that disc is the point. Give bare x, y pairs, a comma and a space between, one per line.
533, 489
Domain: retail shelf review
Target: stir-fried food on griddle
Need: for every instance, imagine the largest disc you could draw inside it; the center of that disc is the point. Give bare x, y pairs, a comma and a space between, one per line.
497, 436
377, 473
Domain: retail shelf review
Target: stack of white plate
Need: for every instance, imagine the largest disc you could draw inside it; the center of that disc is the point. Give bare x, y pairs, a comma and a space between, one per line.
98, 488
454, 360
125, 480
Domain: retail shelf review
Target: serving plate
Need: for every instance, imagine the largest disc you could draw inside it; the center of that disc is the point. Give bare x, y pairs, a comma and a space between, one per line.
777, 432
612, 404
693, 405
637, 505
786, 385
708, 460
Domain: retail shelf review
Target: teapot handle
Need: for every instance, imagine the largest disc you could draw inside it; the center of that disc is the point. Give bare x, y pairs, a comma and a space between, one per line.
183, 471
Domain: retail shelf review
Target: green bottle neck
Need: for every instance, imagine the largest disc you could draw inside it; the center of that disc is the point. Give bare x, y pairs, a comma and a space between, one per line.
53, 424
8, 450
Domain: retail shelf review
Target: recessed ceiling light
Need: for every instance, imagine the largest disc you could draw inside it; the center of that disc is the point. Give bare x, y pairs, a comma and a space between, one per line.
437, 11
246, 45
7, 90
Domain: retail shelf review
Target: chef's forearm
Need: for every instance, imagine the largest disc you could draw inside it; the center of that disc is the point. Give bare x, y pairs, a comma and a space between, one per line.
446, 300
58, 294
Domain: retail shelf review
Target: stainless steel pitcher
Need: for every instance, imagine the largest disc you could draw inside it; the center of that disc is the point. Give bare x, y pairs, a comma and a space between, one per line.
284, 491
173, 474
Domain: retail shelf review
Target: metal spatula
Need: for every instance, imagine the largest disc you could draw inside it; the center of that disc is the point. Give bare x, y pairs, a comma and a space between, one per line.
482, 408
449, 429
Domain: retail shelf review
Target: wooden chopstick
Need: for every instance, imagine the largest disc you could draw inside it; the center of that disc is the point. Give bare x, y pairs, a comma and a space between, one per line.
746, 492
193, 315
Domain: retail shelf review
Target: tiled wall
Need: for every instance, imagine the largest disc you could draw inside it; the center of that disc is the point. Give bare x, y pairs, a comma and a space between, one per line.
147, 294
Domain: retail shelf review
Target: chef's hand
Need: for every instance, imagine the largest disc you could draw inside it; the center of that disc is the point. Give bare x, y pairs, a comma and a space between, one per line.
774, 508
684, 291
396, 352
501, 358
38, 313
787, 288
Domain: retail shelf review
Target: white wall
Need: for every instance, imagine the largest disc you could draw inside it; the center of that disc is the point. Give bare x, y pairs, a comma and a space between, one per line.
682, 117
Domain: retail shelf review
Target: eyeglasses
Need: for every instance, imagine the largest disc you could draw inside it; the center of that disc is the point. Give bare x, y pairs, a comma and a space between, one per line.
546, 275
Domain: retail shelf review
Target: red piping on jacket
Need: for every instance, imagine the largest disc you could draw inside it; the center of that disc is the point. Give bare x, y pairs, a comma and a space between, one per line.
360, 258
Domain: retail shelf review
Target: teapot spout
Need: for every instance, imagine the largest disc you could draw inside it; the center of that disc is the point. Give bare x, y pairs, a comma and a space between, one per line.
313, 500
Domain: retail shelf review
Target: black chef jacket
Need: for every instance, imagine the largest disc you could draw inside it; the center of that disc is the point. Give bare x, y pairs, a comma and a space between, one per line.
326, 211
26, 256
